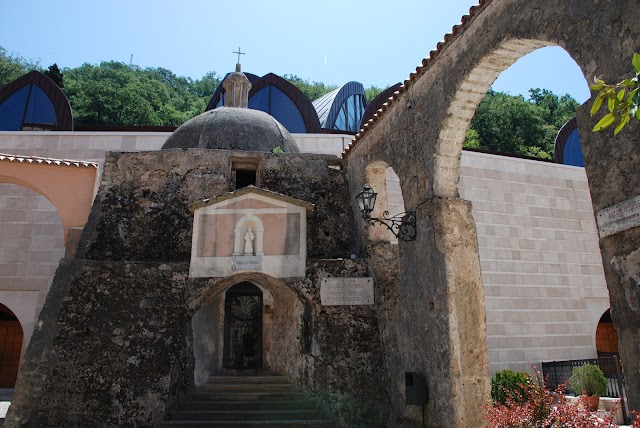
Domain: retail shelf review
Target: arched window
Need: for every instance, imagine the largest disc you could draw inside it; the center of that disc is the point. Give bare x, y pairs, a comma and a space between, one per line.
34, 102
272, 100
567, 148
281, 99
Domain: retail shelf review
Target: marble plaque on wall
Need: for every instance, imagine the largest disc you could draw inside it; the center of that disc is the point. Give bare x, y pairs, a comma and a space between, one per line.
346, 291
247, 263
619, 217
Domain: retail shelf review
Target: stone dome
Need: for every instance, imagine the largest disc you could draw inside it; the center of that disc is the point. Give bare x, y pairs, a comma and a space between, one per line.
232, 128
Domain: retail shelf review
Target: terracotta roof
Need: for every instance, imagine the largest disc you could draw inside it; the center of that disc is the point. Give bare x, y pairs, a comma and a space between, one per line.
256, 190
48, 161
420, 70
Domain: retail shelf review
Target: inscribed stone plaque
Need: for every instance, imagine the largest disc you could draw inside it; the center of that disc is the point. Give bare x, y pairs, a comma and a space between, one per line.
346, 291
619, 217
247, 263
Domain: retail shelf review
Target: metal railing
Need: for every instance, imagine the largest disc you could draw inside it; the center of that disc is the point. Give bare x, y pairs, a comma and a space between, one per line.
558, 372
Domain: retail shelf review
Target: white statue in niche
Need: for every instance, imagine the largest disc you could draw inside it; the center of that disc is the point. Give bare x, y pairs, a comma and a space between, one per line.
248, 242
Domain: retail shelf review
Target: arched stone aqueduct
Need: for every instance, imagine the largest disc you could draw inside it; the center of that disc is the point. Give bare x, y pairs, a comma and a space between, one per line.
420, 133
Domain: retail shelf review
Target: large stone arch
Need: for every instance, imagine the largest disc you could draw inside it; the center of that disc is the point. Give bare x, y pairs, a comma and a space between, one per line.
68, 185
420, 131
30, 249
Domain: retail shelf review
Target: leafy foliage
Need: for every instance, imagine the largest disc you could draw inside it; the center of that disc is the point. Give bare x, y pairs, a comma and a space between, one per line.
509, 384
622, 99
588, 380
114, 93
56, 75
511, 124
372, 92
13, 66
545, 408
312, 90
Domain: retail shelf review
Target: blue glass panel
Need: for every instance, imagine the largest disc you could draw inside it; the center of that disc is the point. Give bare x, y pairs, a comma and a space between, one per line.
220, 101
573, 151
351, 110
286, 112
341, 120
260, 100
40, 108
12, 109
360, 112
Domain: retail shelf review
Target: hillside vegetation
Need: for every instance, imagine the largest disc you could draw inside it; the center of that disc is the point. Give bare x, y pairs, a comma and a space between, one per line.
116, 94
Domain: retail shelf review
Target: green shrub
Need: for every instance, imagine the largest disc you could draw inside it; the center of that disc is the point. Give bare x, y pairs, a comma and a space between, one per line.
507, 383
588, 380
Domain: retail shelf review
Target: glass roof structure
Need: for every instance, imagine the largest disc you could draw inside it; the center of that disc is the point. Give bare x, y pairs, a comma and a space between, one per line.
343, 108
34, 102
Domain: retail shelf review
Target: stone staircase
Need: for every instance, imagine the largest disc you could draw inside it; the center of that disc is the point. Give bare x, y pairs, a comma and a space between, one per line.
247, 401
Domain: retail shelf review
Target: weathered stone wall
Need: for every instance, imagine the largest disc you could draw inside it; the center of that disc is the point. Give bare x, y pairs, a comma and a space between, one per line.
115, 340
147, 196
111, 349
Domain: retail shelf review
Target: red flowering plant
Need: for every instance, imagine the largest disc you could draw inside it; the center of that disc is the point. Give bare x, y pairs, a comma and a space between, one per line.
537, 407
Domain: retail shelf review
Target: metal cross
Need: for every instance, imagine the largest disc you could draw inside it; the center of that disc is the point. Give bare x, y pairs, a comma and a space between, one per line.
239, 53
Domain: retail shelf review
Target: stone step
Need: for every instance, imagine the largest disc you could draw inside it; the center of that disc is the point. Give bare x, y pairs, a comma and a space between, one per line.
242, 395
229, 379
274, 404
245, 415
239, 387
310, 423
234, 401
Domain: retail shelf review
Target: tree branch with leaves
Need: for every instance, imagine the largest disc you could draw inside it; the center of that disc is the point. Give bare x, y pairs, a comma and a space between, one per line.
622, 100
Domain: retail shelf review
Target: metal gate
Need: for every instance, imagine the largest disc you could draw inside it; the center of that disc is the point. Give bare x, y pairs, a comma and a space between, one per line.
243, 327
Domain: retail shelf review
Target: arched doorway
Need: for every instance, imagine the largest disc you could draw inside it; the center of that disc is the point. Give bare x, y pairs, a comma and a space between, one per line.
10, 347
606, 336
243, 327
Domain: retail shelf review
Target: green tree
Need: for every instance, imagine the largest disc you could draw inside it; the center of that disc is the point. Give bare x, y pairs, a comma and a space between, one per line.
472, 139
13, 66
372, 92
312, 90
113, 93
55, 74
512, 124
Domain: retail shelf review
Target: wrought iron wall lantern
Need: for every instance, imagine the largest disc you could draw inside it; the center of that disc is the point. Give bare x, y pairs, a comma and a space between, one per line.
402, 225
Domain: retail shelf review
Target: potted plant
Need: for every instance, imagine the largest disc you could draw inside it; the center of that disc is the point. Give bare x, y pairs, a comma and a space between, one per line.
589, 380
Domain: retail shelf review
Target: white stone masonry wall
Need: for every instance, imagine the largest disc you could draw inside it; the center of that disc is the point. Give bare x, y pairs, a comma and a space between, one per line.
541, 267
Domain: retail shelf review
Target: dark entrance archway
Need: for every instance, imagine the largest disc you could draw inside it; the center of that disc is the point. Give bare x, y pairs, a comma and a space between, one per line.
11, 336
243, 327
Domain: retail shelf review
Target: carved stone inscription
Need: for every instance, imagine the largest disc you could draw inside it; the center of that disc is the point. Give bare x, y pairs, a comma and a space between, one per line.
247, 263
346, 291
619, 217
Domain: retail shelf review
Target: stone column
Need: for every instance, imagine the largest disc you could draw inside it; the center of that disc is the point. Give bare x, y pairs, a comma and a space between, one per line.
442, 318
612, 165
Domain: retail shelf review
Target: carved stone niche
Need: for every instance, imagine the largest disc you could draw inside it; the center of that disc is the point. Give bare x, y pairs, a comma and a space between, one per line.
251, 229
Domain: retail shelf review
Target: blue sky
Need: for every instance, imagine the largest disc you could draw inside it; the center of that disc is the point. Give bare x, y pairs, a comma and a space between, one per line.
376, 42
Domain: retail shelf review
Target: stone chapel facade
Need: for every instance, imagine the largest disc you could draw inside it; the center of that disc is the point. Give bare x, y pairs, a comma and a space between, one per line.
174, 238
